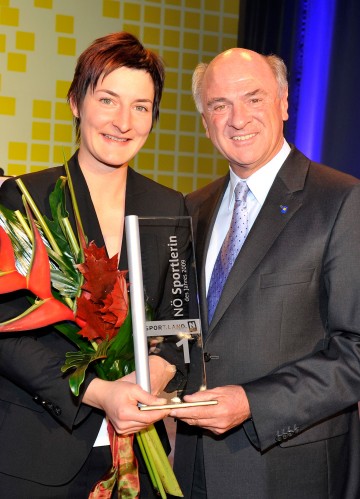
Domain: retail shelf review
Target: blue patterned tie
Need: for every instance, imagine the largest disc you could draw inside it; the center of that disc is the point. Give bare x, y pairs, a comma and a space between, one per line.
230, 248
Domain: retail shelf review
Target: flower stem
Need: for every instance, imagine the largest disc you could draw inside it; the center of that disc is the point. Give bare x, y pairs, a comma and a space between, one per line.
153, 466
38, 216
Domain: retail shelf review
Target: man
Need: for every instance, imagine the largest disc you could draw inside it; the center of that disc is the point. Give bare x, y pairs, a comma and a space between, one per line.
283, 343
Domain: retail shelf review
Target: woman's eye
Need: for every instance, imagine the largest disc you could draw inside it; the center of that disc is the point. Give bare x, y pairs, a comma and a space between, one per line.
105, 100
141, 108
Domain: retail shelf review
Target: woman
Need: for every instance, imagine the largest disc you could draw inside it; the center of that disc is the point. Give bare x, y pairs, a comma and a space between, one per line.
53, 444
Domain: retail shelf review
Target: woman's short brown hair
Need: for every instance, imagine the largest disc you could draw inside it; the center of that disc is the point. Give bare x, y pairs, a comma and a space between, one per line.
105, 55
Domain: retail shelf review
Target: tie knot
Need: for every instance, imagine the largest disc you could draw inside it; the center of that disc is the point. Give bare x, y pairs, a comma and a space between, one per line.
241, 191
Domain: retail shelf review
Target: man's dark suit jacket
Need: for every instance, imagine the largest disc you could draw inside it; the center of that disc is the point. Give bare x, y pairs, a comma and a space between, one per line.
48, 440
287, 328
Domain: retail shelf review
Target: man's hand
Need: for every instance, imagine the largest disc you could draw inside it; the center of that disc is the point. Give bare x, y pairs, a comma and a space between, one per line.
119, 400
231, 410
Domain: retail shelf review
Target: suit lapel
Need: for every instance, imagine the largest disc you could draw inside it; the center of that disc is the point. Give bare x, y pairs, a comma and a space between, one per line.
281, 204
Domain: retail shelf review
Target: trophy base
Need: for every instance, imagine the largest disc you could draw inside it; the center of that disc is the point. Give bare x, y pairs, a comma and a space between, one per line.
176, 405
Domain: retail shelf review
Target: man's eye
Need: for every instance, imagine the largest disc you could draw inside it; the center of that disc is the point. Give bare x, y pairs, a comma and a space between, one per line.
220, 107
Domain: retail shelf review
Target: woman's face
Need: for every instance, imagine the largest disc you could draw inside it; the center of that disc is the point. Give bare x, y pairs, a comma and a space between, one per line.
115, 118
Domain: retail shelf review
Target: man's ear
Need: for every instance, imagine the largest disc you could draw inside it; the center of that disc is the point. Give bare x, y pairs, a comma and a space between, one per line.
205, 126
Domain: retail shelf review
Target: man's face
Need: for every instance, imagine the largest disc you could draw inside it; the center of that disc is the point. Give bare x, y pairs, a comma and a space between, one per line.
115, 118
243, 113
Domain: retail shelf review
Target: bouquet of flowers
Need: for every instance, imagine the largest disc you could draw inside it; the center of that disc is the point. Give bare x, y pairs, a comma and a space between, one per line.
76, 287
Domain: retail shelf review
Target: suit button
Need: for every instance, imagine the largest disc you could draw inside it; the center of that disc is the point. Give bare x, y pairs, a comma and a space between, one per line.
57, 411
207, 357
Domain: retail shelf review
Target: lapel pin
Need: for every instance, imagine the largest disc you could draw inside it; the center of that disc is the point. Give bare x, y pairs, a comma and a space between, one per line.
283, 209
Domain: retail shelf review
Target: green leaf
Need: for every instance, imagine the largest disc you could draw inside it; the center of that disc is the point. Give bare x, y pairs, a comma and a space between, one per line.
120, 355
80, 361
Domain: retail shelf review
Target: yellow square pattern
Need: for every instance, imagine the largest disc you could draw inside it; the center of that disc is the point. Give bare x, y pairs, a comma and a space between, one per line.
14, 169
64, 24
63, 133
152, 14
41, 109
62, 88
66, 46
18, 151
111, 8
62, 111
7, 105
9, 16
40, 152
59, 153
43, 4
172, 17
16, 62
40, 131
183, 32
25, 41
2, 43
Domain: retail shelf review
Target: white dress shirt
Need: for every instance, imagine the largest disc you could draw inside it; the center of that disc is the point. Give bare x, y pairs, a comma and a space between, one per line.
259, 184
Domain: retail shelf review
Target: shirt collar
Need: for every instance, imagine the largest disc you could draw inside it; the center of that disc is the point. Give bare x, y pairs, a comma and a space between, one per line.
260, 182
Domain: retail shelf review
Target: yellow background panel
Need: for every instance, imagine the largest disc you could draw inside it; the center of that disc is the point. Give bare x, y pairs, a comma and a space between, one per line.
62, 88
171, 38
62, 111
42, 109
186, 164
40, 41
167, 121
18, 151
192, 20
59, 152
2, 43
7, 105
192, 40
151, 36
63, 133
16, 62
211, 22
167, 142
166, 162
14, 169
9, 16
152, 14
64, 24
111, 8
25, 41
44, 4
132, 12
188, 122
41, 131
187, 143
171, 58
66, 46
186, 184
40, 152
172, 17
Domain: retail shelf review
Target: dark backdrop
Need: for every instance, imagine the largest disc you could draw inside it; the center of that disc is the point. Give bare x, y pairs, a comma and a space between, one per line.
280, 26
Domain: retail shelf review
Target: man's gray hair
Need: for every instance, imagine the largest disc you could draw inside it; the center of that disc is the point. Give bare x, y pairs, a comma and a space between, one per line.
275, 62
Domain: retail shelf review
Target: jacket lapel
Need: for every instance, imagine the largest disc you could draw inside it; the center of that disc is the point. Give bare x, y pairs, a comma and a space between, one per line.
282, 202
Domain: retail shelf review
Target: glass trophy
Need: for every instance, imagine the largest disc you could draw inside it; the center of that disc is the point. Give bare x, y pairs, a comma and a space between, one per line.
164, 303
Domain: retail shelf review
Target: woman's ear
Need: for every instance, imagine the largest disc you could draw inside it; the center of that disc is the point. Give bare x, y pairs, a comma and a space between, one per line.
74, 108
